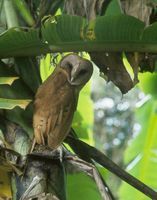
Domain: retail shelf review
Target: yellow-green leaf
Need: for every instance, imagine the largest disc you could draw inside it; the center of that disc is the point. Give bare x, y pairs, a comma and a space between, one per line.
45, 67
7, 80
12, 103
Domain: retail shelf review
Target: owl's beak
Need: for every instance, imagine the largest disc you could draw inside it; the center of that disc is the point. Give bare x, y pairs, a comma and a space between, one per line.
72, 79
74, 72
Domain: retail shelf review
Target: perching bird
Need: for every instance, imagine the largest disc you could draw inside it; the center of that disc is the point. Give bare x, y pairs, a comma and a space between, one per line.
56, 100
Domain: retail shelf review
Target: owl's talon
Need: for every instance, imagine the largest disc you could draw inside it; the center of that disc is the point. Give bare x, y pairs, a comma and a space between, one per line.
33, 145
60, 149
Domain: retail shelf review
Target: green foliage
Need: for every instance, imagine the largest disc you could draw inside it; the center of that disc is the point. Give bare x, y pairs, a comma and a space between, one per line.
148, 82
113, 8
80, 186
140, 156
123, 29
58, 34
142, 153
12, 103
17, 41
27, 69
60, 29
10, 14
24, 11
72, 33
45, 67
7, 80
83, 119
16, 94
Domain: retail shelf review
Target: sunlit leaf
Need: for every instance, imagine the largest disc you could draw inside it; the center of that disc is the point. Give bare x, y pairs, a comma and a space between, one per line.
12, 103
83, 118
148, 83
5, 189
45, 67
7, 80
18, 90
141, 155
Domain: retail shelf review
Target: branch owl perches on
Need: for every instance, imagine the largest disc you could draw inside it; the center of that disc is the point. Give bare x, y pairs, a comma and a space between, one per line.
56, 100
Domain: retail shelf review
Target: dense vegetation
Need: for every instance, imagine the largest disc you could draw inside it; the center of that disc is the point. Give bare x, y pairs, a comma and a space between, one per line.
34, 36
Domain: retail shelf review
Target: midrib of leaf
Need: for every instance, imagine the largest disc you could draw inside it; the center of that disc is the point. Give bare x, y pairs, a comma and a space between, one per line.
70, 33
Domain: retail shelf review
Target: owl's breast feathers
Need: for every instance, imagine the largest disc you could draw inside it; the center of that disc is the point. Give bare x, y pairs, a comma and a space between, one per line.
54, 107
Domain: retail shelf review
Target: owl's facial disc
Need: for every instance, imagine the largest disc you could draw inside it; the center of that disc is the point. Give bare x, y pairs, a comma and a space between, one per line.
79, 69
81, 73
77, 73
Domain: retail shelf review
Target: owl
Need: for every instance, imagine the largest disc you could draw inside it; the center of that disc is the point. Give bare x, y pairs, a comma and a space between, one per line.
56, 100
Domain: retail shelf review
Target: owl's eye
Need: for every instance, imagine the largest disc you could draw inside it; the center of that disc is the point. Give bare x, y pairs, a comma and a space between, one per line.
70, 66
82, 72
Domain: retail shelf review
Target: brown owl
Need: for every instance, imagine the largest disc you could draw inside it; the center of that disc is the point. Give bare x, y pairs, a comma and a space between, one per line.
56, 100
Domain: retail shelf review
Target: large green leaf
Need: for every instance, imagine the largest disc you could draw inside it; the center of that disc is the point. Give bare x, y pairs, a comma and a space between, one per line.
72, 33
7, 80
115, 29
141, 154
83, 118
12, 103
18, 90
21, 42
27, 68
63, 29
148, 83
113, 8
83, 186
45, 67
24, 11
149, 34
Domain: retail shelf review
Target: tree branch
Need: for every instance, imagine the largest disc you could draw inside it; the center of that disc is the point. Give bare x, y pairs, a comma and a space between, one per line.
81, 148
83, 166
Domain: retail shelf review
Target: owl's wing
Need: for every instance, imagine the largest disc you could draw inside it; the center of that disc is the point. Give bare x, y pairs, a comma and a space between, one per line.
61, 121
54, 109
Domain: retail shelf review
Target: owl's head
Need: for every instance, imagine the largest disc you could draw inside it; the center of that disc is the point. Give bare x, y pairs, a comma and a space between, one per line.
79, 69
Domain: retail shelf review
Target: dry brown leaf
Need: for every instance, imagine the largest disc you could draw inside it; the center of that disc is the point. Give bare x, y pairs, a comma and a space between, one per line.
112, 66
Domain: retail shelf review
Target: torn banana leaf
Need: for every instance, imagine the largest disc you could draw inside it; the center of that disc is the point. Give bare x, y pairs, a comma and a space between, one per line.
12, 103
7, 80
